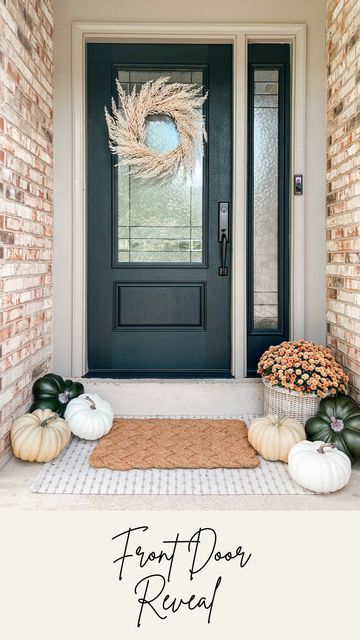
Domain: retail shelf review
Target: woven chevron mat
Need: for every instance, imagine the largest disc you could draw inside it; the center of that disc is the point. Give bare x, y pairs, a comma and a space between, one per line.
71, 473
174, 444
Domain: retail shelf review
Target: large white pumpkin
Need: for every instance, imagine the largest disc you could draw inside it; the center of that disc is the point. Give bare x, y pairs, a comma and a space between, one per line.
39, 436
319, 466
89, 416
273, 436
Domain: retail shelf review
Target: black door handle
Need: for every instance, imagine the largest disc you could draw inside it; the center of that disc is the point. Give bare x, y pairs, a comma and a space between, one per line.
223, 270
223, 235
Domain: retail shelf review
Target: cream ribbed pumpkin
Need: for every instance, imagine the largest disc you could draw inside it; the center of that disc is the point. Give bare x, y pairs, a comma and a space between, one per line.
273, 436
39, 436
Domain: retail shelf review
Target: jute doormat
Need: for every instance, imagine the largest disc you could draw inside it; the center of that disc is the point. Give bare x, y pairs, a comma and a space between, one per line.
171, 444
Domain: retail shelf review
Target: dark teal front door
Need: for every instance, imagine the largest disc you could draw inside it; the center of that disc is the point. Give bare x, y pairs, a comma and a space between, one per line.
157, 302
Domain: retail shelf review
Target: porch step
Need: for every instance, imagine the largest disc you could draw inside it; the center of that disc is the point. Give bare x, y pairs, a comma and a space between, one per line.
149, 397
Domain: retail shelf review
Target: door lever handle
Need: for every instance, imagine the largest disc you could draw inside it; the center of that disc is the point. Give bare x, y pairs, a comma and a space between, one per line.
223, 270
223, 235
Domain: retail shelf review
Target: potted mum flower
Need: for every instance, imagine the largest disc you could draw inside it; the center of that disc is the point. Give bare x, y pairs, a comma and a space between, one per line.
296, 375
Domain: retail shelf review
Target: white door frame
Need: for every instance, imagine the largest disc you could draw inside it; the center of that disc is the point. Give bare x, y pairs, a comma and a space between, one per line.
239, 35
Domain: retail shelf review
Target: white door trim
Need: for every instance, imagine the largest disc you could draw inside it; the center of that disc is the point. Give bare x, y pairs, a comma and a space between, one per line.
239, 35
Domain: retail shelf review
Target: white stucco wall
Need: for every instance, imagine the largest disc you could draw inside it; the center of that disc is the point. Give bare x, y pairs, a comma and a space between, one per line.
310, 12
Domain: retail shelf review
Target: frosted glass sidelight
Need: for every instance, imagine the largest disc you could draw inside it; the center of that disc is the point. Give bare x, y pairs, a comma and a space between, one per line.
265, 199
160, 220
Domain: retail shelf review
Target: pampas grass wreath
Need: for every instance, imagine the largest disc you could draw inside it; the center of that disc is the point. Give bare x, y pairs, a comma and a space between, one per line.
127, 127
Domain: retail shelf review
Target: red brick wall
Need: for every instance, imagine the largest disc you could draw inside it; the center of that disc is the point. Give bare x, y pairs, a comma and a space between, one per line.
343, 175
26, 215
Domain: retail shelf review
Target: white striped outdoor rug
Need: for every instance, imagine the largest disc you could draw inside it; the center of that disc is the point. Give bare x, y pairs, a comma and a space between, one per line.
70, 473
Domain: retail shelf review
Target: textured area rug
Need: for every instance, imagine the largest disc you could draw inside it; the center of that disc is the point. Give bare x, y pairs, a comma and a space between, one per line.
71, 473
174, 444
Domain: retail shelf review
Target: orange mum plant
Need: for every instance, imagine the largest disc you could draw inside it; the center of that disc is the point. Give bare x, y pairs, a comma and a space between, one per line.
304, 368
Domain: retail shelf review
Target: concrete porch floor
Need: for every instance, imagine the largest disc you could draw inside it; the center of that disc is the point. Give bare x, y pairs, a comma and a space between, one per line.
17, 476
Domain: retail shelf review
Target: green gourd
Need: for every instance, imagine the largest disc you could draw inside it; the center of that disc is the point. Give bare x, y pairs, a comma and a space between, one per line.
53, 392
337, 421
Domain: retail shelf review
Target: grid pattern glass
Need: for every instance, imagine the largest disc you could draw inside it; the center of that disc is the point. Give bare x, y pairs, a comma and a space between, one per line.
160, 220
265, 198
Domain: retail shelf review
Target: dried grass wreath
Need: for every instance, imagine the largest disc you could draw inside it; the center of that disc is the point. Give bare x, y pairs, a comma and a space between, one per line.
127, 127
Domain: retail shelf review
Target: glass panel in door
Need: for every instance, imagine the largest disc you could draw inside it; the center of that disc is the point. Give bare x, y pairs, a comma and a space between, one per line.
268, 198
265, 203
160, 221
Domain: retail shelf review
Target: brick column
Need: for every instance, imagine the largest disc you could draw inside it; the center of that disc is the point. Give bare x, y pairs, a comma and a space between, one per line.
343, 178
26, 217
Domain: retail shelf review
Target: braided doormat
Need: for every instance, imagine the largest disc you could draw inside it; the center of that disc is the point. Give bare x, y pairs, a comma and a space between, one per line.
174, 444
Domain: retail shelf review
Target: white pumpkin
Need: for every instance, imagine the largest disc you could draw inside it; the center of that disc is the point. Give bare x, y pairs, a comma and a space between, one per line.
39, 436
273, 436
319, 466
89, 416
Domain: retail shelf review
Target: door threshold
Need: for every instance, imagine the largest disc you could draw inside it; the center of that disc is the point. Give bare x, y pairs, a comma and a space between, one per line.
158, 375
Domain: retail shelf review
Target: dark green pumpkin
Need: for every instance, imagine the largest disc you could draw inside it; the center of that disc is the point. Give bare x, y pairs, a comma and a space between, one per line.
53, 392
338, 421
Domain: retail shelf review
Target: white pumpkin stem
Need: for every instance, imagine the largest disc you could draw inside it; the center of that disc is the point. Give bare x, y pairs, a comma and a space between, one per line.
331, 445
92, 403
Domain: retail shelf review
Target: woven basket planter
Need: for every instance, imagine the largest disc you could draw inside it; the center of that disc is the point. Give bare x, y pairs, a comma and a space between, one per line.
280, 402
